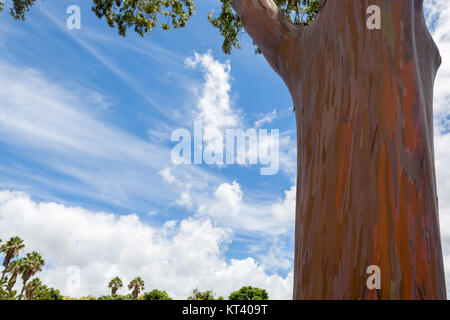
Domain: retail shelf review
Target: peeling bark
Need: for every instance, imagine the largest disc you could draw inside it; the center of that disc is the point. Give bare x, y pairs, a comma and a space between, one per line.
366, 185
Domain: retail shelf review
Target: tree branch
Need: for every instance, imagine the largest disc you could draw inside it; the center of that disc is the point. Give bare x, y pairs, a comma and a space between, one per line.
267, 26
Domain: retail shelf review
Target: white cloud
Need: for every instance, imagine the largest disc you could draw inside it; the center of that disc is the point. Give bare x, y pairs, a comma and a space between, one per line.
284, 210
231, 208
288, 154
151, 213
276, 256
167, 175
268, 118
99, 99
184, 185
178, 257
226, 204
216, 113
185, 199
438, 14
228, 199
214, 108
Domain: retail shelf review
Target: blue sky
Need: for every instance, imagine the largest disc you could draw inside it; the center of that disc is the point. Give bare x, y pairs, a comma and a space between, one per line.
138, 85
86, 177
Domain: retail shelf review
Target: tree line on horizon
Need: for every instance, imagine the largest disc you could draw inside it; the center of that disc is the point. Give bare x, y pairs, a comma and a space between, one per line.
26, 267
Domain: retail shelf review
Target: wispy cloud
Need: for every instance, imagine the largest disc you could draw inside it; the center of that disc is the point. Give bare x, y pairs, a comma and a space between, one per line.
47, 123
268, 118
90, 41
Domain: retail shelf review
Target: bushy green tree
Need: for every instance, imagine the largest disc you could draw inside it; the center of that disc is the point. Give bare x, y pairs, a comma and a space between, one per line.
249, 293
156, 295
46, 293
201, 295
117, 297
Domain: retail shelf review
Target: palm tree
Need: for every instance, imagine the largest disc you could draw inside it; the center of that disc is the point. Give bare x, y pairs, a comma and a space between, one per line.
137, 284
32, 264
115, 284
14, 268
31, 287
11, 250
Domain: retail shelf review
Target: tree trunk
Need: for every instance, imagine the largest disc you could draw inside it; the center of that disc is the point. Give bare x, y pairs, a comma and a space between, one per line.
23, 289
11, 283
366, 185
3, 274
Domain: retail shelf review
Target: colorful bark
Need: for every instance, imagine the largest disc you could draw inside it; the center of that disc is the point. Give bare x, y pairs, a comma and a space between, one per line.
366, 185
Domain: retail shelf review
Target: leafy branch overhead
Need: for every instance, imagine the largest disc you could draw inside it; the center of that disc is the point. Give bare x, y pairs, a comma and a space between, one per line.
144, 15
230, 26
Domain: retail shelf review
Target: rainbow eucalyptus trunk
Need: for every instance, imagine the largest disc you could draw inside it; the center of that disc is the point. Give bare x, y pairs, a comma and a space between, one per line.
366, 185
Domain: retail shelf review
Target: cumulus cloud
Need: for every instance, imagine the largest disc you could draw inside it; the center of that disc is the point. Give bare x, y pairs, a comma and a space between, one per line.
177, 257
284, 210
214, 107
232, 208
229, 199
